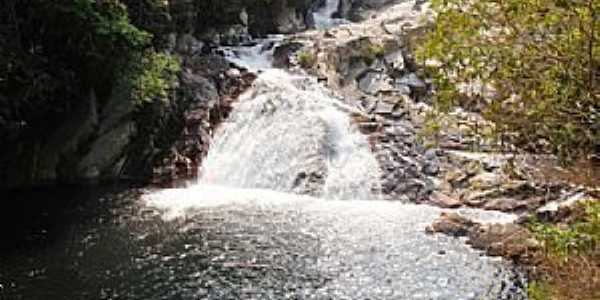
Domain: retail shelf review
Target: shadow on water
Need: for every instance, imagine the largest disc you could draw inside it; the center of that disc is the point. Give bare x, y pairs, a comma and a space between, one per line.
44, 230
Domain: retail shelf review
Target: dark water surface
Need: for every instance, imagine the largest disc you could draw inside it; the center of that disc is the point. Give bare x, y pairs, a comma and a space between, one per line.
106, 243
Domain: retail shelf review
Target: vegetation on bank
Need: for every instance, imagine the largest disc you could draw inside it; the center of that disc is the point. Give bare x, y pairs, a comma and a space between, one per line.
569, 265
535, 65
307, 59
56, 53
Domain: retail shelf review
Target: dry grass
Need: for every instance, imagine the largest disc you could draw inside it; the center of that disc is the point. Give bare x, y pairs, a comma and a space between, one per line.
579, 278
583, 172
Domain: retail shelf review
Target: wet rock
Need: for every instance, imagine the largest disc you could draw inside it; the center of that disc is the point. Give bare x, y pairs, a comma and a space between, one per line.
282, 54
451, 224
233, 73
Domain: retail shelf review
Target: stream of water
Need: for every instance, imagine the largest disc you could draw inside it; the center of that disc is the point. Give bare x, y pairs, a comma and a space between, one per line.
286, 209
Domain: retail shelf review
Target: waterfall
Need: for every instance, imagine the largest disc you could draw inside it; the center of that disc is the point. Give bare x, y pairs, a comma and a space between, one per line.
323, 17
289, 134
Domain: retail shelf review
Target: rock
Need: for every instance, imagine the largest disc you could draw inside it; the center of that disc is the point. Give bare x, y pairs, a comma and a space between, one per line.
395, 61
402, 89
417, 86
456, 177
473, 167
507, 240
282, 54
187, 44
384, 108
105, 152
244, 17
444, 201
556, 209
374, 83
504, 204
486, 180
451, 224
368, 103
233, 73
431, 168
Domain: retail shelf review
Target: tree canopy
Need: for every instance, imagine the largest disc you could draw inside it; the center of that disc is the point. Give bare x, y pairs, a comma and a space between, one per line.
535, 64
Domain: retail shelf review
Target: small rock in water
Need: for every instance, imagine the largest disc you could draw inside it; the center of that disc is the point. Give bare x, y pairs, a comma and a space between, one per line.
233, 73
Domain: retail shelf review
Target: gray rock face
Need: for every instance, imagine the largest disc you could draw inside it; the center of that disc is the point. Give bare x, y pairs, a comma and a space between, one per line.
356, 10
232, 20
417, 86
395, 61
374, 83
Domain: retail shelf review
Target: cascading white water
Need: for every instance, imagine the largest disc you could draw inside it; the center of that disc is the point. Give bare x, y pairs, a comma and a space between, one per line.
254, 58
289, 134
323, 17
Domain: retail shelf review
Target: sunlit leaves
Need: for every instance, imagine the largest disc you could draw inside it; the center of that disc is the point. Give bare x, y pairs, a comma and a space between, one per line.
543, 54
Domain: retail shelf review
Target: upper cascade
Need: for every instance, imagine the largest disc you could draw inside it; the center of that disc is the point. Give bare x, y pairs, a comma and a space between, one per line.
324, 16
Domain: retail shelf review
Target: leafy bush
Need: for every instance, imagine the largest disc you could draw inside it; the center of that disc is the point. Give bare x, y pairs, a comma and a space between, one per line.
567, 265
154, 76
372, 51
538, 291
539, 59
581, 237
307, 59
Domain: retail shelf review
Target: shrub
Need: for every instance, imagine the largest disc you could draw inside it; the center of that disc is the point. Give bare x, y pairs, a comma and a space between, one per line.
540, 58
581, 237
372, 51
307, 59
568, 265
154, 76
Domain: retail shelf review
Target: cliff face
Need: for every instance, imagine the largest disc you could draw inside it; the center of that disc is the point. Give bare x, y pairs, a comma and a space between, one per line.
232, 21
99, 133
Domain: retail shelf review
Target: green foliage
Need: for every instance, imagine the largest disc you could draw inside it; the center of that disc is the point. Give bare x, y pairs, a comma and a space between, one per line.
54, 53
372, 51
541, 59
580, 237
537, 290
154, 76
307, 59
109, 20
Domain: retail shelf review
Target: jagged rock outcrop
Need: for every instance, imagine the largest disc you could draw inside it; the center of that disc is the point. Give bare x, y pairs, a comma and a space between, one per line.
234, 21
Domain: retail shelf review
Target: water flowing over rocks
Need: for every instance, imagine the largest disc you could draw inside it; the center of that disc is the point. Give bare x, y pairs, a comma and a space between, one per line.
286, 169
302, 141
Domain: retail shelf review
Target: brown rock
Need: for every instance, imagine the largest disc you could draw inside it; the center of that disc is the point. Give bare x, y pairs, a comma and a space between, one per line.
504, 204
444, 201
507, 240
451, 224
